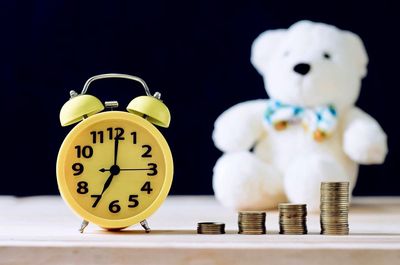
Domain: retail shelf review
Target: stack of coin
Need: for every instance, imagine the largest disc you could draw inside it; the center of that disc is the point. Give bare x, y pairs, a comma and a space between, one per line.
334, 208
292, 218
251, 222
210, 228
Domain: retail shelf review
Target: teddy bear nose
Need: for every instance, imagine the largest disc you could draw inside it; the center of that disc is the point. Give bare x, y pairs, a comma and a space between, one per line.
302, 68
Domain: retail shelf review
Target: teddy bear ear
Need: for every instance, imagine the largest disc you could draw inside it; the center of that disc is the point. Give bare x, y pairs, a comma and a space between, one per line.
263, 48
357, 51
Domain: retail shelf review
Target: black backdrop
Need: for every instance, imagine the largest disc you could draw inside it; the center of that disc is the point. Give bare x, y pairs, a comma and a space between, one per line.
195, 52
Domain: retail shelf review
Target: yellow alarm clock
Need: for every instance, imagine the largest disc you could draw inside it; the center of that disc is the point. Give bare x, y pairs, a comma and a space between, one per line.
114, 168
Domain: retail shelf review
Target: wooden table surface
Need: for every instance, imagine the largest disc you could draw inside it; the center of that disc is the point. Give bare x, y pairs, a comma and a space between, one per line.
42, 230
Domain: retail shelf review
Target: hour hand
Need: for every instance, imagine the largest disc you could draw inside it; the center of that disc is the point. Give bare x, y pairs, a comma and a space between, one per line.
107, 183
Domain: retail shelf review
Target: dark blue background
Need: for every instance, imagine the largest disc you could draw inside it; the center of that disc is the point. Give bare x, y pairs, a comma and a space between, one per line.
195, 52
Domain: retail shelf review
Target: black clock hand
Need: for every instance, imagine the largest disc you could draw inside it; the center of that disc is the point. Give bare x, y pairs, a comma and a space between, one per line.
116, 150
132, 169
107, 183
152, 168
115, 168
125, 169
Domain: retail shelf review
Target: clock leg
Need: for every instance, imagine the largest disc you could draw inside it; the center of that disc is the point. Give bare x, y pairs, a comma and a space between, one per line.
145, 225
83, 225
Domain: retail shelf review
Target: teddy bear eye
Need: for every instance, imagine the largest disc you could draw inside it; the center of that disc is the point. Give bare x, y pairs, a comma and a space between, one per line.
327, 55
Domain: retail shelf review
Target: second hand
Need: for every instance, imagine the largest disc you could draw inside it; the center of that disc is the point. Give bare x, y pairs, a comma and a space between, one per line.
125, 169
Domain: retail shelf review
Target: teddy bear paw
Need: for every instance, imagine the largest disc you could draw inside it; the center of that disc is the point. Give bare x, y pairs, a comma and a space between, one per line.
243, 182
365, 143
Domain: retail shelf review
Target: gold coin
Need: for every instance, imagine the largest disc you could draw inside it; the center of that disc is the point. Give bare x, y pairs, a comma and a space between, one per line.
336, 219
292, 221
334, 183
285, 228
334, 207
252, 213
291, 206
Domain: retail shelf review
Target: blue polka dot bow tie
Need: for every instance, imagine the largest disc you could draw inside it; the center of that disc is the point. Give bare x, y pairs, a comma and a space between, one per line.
319, 121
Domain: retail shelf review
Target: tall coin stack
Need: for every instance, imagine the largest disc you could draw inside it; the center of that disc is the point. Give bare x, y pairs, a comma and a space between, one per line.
252, 222
292, 219
334, 208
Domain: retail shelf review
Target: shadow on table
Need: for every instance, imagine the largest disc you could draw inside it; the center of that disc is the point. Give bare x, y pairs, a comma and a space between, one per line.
155, 232
152, 232
231, 232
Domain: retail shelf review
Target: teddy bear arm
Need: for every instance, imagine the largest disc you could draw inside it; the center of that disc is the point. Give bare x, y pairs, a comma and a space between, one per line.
364, 140
239, 127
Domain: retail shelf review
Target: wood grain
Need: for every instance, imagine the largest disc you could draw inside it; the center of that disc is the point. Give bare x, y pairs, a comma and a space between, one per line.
42, 230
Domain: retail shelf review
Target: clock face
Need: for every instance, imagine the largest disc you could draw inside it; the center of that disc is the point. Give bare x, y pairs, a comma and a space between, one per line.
114, 166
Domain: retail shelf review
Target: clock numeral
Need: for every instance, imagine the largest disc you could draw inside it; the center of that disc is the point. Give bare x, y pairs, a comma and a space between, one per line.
86, 151
98, 136
146, 187
78, 168
148, 150
134, 137
119, 132
114, 206
132, 198
110, 133
82, 187
153, 168
94, 136
98, 197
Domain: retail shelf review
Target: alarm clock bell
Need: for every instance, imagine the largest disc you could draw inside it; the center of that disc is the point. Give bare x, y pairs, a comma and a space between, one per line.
83, 105
78, 108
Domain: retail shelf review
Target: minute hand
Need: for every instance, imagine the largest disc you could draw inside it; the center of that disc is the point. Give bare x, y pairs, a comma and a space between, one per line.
116, 141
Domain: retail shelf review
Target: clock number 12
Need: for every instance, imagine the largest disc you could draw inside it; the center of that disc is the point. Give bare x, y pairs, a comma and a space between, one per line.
98, 136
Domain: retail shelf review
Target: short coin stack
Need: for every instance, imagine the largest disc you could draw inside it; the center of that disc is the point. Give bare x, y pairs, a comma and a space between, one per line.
292, 219
252, 222
334, 208
211, 228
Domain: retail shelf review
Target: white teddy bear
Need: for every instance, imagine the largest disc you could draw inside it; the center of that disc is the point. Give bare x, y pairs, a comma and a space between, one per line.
309, 130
